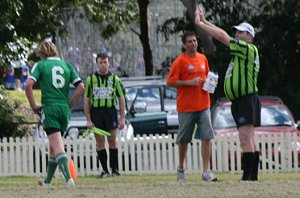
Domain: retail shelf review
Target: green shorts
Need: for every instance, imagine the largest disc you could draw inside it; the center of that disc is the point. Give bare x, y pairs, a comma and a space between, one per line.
55, 117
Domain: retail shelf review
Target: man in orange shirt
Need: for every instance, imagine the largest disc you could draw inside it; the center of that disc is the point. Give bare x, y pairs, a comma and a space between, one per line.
187, 74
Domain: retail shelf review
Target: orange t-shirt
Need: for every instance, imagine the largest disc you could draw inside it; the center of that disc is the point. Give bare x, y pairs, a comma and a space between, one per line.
190, 98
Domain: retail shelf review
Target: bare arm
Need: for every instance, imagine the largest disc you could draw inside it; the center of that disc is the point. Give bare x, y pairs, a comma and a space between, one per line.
77, 94
208, 27
122, 112
29, 94
86, 108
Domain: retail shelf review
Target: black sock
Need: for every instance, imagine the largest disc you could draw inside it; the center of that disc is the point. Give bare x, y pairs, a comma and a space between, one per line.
113, 159
254, 173
102, 156
247, 161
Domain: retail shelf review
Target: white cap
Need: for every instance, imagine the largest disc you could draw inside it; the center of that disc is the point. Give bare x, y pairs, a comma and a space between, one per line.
245, 27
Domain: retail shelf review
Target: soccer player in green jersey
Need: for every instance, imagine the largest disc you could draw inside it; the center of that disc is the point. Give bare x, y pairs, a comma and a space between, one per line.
101, 93
240, 86
55, 76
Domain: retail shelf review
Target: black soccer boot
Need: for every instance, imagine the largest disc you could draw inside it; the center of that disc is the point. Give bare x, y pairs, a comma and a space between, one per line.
254, 173
247, 161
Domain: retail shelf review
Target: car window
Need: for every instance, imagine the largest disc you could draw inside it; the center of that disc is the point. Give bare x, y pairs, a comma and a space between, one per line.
170, 93
224, 118
148, 94
270, 116
275, 116
130, 93
145, 94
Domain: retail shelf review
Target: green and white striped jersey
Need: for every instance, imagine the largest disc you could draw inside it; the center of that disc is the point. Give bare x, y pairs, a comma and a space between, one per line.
242, 73
103, 91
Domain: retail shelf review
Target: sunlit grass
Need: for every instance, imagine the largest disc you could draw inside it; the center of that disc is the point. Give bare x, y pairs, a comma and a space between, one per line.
20, 96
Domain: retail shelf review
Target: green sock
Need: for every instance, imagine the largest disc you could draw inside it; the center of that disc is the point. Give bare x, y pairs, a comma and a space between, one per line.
62, 161
52, 164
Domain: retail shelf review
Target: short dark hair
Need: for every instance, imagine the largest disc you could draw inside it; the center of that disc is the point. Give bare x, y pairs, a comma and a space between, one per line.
102, 56
186, 34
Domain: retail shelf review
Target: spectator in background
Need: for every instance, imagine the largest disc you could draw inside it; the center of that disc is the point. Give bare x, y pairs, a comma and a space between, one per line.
25, 74
9, 74
74, 57
119, 71
18, 75
140, 62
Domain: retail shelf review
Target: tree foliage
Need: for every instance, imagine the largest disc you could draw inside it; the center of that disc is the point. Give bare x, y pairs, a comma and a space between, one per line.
32, 20
26, 21
278, 40
113, 16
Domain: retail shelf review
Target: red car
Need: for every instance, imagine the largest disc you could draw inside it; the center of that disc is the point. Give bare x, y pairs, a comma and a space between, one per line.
276, 120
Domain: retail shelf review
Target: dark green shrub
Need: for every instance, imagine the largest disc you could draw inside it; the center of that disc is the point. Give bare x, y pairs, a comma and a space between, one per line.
12, 116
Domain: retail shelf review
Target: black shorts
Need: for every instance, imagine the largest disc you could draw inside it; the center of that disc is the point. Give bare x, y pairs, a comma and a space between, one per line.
104, 118
18, 72
246, 110
50, 131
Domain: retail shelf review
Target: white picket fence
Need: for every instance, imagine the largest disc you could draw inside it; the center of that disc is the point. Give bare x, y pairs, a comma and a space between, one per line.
149, 154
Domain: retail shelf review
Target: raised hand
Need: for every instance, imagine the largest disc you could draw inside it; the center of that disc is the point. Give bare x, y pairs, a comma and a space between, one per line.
201, 12
197, 15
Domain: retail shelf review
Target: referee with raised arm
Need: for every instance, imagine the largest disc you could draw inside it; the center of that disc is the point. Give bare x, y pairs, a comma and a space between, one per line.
102, 93
240, 86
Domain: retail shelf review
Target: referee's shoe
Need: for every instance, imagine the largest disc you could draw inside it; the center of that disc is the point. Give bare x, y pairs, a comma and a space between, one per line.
115, 173
103, 175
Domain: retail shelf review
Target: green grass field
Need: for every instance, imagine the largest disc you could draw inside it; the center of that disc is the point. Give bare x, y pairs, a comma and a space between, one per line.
154, 186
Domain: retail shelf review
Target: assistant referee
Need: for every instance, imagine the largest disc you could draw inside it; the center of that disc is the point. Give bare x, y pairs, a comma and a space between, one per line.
103, 91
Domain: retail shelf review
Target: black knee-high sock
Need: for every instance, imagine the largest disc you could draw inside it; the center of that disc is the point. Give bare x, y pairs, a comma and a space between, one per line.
102, 156
247, 162
254, 174
113, 159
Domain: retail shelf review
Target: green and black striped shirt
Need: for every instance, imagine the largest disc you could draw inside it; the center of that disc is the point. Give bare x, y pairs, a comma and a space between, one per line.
242, 73
103, 91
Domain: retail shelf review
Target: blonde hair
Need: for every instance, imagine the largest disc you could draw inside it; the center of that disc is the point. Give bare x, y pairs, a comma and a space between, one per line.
47, 49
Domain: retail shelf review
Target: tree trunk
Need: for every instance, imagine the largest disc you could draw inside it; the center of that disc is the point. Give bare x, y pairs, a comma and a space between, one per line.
144, 36
206, 40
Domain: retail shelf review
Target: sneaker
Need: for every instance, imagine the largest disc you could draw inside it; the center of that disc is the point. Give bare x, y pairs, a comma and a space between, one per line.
103, 175
70, 183
208, 176
115, 173
43, 184
180, 175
